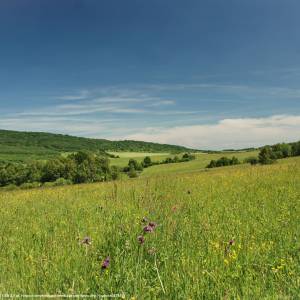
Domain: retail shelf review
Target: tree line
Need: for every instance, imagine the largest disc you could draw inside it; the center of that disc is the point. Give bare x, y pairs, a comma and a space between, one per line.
134, 167
80, 167
267, 155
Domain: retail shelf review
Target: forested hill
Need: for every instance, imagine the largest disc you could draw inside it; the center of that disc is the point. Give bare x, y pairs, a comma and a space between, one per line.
14, 145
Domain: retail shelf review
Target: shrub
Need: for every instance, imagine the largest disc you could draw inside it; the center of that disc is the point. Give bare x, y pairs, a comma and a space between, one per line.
266, 156
223, 161
147, 162
251, 160
62, 181
132, 173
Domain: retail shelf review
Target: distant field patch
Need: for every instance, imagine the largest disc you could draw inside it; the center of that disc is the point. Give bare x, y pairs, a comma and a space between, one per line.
201, 161
137, 154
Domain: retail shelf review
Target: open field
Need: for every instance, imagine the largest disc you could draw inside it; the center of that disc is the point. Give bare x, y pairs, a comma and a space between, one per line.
201, 161
187, 256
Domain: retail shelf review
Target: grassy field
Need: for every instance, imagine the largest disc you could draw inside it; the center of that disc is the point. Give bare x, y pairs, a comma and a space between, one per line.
227, 233
201, 161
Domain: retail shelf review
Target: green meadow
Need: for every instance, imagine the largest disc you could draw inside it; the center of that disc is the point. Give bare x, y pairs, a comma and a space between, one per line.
201, 161
226, 233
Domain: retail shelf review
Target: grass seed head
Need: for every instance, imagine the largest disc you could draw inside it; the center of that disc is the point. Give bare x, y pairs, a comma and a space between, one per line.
141, 239
86, 241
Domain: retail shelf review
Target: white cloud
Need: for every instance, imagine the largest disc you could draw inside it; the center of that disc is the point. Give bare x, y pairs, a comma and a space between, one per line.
161, 103
227, 133
82, 95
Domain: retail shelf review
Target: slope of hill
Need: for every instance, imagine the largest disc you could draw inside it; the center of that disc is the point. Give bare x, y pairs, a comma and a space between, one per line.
229, 231
15, 145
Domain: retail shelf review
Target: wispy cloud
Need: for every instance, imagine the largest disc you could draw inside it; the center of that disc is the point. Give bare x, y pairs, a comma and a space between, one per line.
161, 103
79, 96
207, 121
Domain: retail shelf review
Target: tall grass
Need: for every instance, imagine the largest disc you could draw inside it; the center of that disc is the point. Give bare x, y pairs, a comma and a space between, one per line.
226, 233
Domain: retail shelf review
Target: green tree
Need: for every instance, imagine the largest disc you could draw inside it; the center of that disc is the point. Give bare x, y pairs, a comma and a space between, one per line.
147, 162
266, 156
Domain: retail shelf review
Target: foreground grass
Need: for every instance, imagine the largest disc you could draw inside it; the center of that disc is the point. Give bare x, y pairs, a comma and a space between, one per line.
197, 215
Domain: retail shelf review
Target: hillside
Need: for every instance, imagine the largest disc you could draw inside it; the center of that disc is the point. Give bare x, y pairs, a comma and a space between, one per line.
15, 145
230, 231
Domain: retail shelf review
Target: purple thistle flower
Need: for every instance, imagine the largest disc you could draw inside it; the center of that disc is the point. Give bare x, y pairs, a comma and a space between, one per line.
152, 225
105, 263
148, 228
141, 239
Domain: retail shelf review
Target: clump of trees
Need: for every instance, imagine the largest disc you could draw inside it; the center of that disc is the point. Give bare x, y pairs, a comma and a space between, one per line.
134, 167
185, 157
81, 167
269, 154
223, 161
251, 160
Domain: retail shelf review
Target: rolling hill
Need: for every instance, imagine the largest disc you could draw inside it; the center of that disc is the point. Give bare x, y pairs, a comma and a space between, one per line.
20, 146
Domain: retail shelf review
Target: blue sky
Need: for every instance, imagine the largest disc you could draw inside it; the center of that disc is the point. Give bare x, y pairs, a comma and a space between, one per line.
203, 73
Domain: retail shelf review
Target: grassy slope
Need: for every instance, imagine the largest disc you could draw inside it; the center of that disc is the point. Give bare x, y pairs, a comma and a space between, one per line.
202, 160
256, 206
22, 146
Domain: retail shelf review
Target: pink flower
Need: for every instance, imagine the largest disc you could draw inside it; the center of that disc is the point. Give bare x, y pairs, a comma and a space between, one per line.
148, 228
105, 263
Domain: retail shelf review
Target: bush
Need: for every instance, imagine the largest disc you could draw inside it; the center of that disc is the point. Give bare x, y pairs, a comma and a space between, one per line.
10, 187
266, 156
212, 164
115, 173
62, 181
132, 173
223, 161
147, 162
251, 160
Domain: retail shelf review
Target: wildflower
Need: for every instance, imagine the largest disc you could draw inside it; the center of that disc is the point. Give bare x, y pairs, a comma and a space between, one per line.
86, 240
231, 242
105, 263
148, 228
152, 225
141, 239
144, 220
